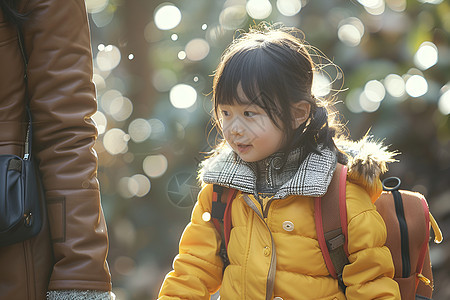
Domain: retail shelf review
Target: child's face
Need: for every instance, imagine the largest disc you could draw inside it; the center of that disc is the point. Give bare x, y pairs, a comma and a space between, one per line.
250, 131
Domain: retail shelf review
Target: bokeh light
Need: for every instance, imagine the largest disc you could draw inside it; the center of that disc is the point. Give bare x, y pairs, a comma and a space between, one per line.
377, 9
373, 7
216, 33
103, 17
352, 101
321, 85
99, 82
369, 3
181, 132
158, 129
197, 49
101, 122
431, 1
289, 8
183, 96
395, 85
139, 130
95, 6
115, 141
181, 55
416, 86
426, 56
124, 231
155, 165
350, 31
396, 5
232, 17
167, 16
121, 108
444, 103
108, 58
107, 98
174, 37
127, 187
206, 216
259, 9
374, 91
367, 104
143, 185
124, 265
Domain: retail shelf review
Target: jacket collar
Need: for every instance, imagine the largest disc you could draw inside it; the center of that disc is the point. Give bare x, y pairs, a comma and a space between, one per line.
310, 179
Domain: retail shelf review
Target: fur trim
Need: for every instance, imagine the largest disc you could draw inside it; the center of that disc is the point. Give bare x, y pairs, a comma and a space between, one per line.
367, 158
212, 158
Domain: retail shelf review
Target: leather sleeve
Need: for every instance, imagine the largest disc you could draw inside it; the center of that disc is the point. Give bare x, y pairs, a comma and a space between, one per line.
197, 268
62, 100
370, 272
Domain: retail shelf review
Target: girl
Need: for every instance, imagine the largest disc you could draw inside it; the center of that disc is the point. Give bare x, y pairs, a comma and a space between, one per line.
279, 154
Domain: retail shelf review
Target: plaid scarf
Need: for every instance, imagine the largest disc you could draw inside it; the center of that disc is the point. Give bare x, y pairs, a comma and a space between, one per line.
307, 176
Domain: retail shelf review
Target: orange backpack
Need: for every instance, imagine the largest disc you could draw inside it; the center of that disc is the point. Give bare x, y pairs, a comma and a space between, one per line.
405, 214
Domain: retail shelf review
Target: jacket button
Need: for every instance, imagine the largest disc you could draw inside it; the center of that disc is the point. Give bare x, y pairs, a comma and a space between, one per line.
288, 225
266, 251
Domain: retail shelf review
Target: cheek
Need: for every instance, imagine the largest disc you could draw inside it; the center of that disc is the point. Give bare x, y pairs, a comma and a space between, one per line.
277, 136
225, 129
259, 127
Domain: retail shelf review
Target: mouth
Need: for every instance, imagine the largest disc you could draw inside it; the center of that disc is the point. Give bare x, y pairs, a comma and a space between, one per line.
243, 148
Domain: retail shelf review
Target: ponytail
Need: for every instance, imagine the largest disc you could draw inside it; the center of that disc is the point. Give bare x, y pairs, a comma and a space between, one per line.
316, 131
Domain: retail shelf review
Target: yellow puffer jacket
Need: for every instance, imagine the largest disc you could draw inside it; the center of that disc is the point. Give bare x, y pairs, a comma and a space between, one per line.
300, 268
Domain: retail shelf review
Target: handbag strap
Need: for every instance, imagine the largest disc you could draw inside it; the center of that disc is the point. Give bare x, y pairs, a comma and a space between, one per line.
29, 134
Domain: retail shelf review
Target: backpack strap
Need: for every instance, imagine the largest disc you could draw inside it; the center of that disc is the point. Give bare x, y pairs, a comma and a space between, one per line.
331, 227
424, 248
221, 217
227, 224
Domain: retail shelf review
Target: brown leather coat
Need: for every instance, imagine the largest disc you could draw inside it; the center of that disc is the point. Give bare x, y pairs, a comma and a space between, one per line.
70, 251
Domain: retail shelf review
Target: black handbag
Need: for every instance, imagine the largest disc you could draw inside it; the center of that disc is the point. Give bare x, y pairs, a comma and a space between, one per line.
21, 190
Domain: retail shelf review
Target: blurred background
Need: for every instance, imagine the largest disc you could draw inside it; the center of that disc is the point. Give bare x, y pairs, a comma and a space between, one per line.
153, 71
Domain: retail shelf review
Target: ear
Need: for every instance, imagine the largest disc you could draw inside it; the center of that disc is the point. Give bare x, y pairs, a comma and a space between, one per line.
300, 113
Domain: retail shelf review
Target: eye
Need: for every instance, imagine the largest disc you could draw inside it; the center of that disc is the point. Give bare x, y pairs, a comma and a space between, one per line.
225, 113
249, 114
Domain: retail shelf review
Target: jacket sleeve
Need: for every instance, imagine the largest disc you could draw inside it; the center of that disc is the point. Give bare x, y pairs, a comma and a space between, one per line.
370, 272
62, 100
197, 268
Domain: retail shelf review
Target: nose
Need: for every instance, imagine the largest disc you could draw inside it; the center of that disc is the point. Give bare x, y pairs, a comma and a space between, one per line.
236, 128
